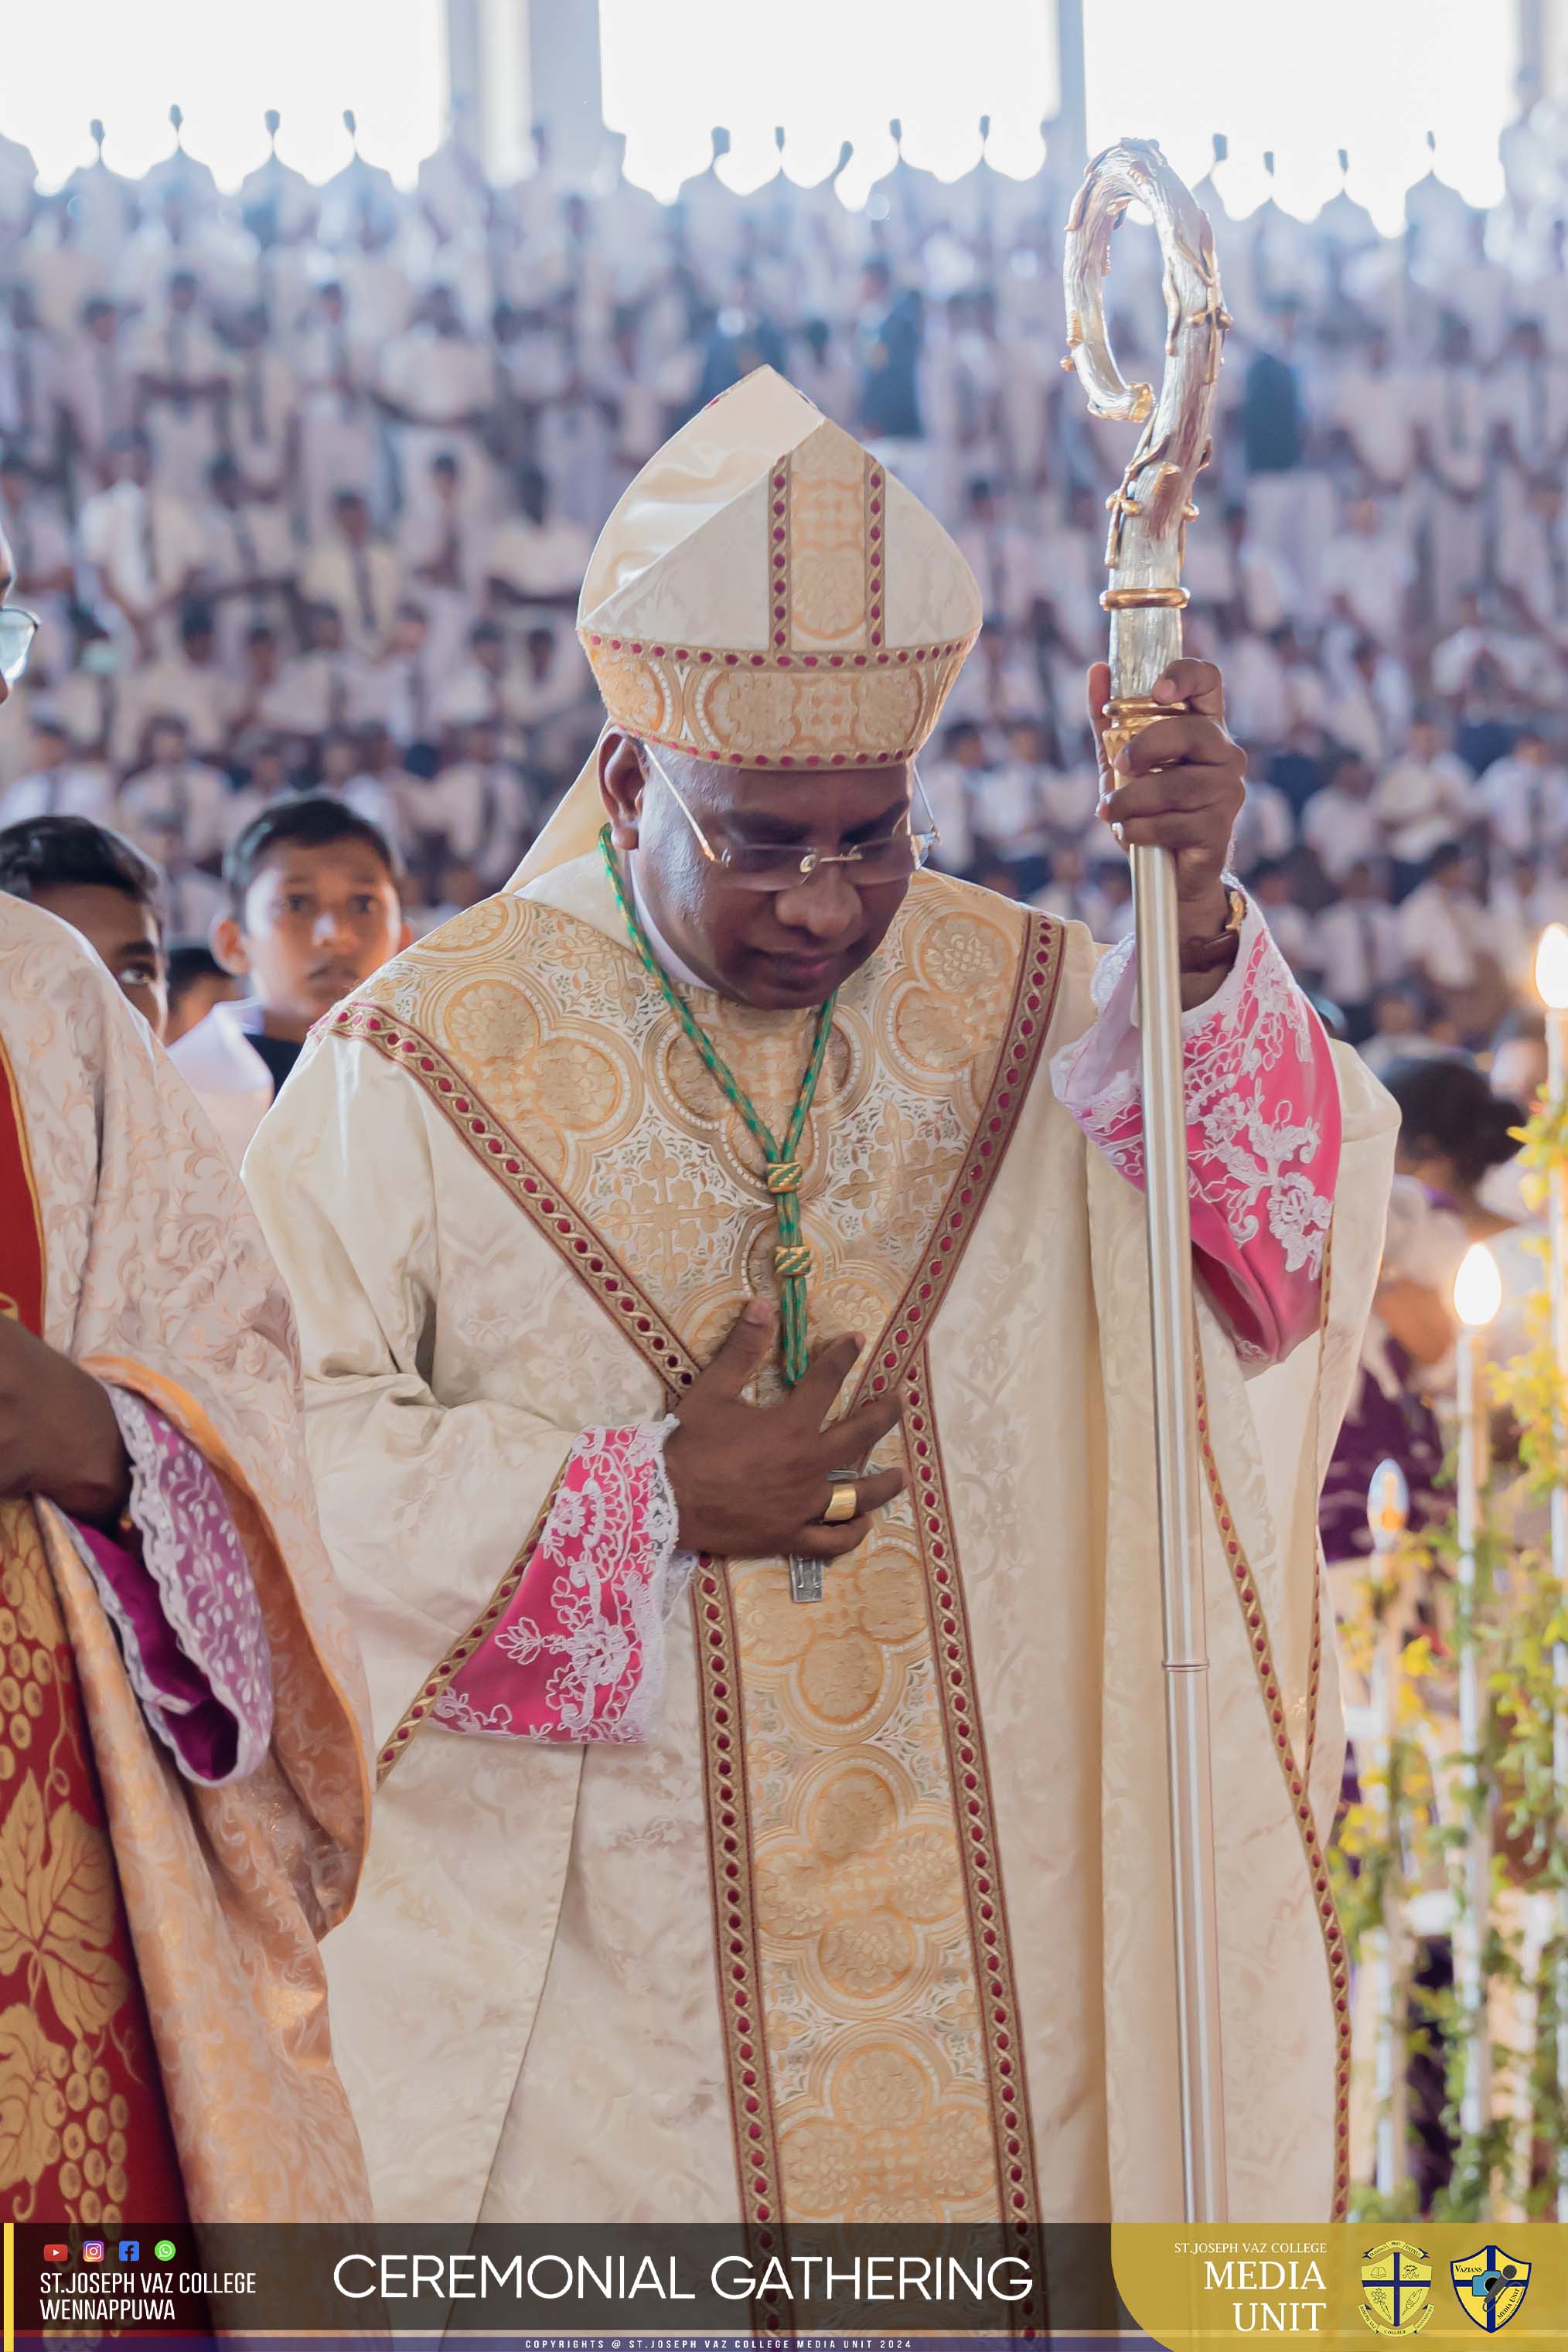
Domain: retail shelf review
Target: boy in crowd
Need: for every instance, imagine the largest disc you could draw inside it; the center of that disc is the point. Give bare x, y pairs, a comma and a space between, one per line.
315, 907
98, 882
197, 982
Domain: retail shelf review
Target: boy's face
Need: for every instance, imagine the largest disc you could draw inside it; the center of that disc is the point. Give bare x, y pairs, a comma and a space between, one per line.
317, 921
124, 934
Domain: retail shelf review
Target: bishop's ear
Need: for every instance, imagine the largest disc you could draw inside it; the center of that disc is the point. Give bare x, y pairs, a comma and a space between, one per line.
621, 786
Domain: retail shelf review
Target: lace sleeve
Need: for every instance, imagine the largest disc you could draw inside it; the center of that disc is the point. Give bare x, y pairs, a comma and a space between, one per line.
182, 1604
579, 1654
1263, 1133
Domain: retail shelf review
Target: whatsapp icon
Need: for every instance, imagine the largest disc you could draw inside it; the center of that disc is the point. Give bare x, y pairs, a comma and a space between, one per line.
165, 2250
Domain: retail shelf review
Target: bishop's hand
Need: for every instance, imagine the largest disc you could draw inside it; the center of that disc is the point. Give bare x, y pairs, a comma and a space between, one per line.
58, 1435
751, 1482
1178, 785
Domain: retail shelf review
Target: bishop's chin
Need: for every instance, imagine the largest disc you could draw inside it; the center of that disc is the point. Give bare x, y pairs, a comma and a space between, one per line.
786, 982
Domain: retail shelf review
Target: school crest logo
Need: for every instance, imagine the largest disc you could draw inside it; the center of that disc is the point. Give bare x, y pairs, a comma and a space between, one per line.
1491, 2287
1396, 2289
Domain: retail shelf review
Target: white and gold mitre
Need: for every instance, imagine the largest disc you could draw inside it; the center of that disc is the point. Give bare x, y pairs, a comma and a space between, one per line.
767, 595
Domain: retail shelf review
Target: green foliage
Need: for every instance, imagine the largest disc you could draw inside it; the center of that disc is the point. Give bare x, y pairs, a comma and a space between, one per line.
1410, 1830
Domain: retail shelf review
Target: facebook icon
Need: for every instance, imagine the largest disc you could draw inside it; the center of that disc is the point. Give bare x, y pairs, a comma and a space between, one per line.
129, 2250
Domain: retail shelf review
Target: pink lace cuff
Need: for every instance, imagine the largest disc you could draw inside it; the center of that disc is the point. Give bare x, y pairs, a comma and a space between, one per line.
182, 1604
1263, 1133
579, 1654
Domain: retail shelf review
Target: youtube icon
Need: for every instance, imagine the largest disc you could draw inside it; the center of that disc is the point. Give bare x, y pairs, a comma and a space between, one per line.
57, 2253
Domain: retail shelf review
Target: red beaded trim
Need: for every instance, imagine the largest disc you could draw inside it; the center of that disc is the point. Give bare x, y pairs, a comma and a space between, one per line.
970, 1778
900, 758
741, 657
1296, 1783
1314, 1673
463, 1648
779, 525
496, 1147
1023, 1043
737, 1954
875, 539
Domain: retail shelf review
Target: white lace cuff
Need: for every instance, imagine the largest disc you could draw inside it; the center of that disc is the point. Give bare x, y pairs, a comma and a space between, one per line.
185, 1612
579, 1654
1263, 1131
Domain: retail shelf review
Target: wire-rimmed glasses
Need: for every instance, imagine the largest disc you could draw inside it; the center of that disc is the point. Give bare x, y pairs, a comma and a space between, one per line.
765, 866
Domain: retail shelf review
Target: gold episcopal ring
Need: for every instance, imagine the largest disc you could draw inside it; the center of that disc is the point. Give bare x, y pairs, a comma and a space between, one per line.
844, 1502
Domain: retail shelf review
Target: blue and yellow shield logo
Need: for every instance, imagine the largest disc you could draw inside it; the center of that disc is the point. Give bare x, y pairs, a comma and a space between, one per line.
1396, 2289
1491, 2287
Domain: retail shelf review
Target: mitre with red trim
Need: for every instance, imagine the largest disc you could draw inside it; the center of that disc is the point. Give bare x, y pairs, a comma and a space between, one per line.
766, 595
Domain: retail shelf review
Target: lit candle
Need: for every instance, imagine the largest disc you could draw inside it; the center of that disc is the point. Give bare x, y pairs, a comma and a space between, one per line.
1551, 983
1387, 1512
1477, 1295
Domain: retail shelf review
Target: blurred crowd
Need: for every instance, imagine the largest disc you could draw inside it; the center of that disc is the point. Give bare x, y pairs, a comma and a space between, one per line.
303, 482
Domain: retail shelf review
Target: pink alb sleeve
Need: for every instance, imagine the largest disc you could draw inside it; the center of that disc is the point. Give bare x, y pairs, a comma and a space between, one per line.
1263, 1133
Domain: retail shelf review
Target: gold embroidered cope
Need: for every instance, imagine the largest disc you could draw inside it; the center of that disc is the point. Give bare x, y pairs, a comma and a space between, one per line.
867, 1966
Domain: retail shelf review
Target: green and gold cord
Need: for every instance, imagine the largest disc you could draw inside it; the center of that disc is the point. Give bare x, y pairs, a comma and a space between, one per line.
791, 1257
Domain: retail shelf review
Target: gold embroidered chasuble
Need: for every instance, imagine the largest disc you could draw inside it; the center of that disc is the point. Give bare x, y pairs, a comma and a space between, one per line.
876, 1928
154, 1278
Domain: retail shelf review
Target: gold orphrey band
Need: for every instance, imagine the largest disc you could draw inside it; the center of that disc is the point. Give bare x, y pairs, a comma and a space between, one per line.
1139, 600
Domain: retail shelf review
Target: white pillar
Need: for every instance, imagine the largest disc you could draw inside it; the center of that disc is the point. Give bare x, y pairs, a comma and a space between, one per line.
562, 58
1068, 134
490, 71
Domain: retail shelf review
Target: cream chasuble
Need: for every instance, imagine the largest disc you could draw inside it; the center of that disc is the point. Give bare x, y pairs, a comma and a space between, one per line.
877, 1924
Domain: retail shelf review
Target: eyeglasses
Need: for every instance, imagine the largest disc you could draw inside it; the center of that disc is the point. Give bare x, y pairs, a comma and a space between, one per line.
765, 866
17, 630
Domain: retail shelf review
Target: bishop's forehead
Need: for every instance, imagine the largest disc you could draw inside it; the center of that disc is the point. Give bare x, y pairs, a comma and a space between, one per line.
767, 595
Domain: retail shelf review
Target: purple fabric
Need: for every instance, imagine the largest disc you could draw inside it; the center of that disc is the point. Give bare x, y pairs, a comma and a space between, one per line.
1378, 1428
184, 1605
202, 1732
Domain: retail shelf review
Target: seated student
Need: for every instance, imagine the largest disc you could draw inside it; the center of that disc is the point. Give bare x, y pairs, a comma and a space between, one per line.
197, 982
1407, 1025
59, 782
98, 882
174, 807
315, 907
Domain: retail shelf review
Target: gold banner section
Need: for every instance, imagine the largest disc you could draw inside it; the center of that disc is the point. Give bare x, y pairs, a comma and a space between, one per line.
1347, 2284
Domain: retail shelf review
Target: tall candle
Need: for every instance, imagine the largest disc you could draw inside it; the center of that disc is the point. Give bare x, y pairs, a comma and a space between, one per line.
1552, 982
1387, 1513
1477, 1295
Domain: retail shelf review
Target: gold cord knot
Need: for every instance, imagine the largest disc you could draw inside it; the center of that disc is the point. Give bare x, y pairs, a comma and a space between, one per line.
784, 1176
792, 1258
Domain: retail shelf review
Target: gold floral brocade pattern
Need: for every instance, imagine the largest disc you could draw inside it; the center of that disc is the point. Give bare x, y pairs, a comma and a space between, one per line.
847, 1910
84, 2130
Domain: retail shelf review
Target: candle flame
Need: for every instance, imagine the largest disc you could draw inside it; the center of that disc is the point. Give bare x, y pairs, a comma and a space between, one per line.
1478, 1287
1551, 968
1387, 1505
